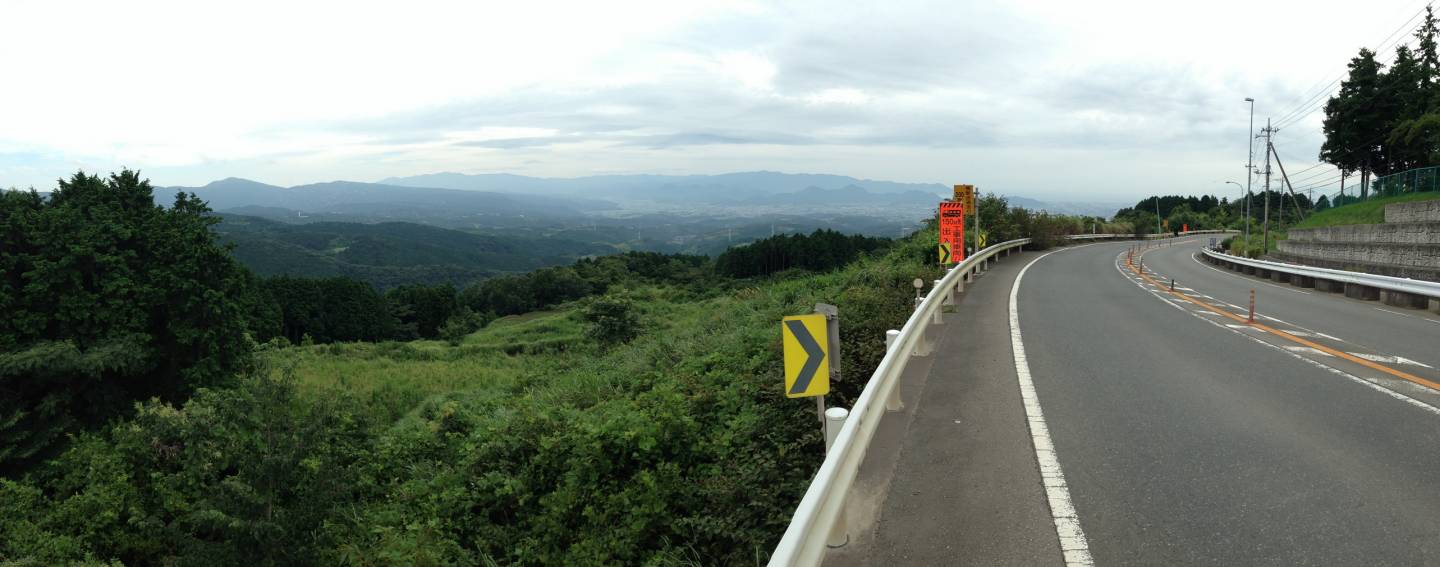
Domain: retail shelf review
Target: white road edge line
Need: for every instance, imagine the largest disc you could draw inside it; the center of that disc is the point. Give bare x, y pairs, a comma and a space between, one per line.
1067, 525
1321, 365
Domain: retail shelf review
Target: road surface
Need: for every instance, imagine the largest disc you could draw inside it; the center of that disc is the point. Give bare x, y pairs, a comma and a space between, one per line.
1185, 435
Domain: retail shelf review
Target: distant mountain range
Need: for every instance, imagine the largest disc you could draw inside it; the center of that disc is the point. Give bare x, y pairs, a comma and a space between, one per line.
503, 201
759, 188
348, 200
662, 188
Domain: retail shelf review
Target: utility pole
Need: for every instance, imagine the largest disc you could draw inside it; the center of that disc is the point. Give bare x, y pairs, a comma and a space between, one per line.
1265, 242
1157, 214
977, 221
1249, 168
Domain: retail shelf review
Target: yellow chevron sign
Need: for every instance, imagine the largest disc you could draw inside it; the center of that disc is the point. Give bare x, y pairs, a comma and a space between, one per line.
807, 347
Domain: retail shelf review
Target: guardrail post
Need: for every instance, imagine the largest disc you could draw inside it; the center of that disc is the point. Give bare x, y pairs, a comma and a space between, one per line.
935, 318
893, 402
922, 347
949, 294
834, 420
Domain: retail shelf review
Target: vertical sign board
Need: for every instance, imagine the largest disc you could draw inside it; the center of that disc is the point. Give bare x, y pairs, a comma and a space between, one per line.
965, 195
807, 346
952, 232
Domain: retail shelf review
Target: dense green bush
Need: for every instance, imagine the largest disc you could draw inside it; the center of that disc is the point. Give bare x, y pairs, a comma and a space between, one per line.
246, 475
423, 309
820, 250
107, 299
329, 309
612, 319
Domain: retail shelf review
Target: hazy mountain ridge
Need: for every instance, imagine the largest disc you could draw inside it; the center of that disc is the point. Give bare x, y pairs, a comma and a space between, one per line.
382, 201
727, 187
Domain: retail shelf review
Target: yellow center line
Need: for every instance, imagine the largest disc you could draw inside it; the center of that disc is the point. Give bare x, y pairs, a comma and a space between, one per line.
1279, 333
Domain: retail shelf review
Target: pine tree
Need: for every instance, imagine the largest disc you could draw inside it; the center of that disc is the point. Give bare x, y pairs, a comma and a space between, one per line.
1353, 130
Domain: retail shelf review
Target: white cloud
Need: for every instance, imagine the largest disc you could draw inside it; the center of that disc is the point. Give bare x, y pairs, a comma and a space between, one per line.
293, 92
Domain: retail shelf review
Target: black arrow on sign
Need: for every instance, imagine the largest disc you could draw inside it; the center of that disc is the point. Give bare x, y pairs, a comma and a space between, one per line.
812, 348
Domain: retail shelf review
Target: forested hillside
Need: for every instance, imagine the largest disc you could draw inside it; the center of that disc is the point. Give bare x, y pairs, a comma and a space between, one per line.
620, 410
391, 253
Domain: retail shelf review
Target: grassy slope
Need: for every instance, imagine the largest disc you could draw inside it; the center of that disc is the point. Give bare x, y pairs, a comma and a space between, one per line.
697, 395
1368, 212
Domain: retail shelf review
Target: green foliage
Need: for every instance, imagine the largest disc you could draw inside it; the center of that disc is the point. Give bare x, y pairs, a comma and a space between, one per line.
108, 299
391, 254
819, 251
563, 437
462, 324
1387, 121
549, 287
1365, 212
425, 308
612, 319
328, 310
1002, 222
240, 475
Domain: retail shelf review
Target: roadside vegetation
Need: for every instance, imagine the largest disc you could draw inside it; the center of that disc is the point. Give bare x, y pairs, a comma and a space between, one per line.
1365, 212
624, 410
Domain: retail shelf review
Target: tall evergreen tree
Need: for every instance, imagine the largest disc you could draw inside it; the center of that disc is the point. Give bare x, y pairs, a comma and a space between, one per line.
1429, 61
1353, 130
1402, 101
108, 299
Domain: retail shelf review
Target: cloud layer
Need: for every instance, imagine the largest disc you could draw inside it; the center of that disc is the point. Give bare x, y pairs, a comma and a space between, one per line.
1074, 100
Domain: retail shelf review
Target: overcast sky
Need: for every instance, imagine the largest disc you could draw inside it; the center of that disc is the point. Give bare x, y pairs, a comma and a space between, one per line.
1064, 100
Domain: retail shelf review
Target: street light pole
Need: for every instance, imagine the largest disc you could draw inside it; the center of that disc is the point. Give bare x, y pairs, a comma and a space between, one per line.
1241, 187
1249, 168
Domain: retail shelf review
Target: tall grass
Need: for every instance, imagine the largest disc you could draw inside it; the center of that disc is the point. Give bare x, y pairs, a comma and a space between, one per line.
1365, 212
532, 444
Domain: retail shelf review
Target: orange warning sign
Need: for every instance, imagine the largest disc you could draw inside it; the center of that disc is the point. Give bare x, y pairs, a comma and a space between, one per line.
952, 232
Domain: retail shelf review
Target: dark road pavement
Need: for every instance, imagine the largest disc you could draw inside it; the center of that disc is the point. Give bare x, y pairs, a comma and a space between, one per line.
1184, 436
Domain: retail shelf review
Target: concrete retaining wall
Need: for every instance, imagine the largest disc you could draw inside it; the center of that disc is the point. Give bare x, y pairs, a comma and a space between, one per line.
1405, 249
1389, 233
1420, 211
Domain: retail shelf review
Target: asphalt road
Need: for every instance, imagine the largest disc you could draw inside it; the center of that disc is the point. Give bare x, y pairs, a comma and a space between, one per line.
1189, 442
1185, 435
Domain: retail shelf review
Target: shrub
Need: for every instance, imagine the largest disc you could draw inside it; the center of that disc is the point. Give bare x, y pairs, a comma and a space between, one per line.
612, 319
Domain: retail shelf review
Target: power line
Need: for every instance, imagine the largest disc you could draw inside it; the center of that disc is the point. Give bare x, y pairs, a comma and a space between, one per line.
1318, 104
1331, 84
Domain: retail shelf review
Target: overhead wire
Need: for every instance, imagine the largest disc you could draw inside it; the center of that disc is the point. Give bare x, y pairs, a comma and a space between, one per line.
1295, 113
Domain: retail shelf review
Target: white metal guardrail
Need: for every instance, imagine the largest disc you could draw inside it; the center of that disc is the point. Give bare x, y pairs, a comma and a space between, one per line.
1144, 236
818, 516
818, 519
1406, 285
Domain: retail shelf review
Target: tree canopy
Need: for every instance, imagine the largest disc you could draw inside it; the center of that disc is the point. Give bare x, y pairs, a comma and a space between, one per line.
1384, 121
108, 299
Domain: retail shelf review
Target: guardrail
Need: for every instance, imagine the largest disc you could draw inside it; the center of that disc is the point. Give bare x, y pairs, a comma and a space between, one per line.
1143, 236
818, 519
1389, 283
